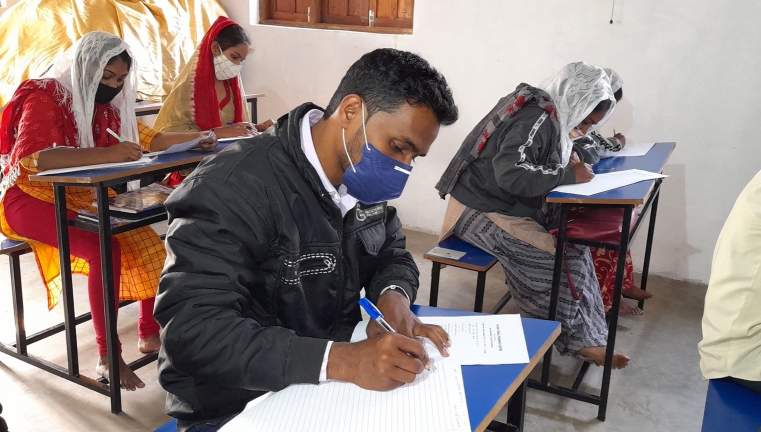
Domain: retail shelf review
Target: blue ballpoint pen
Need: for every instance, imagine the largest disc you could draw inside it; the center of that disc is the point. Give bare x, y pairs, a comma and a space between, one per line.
375, 314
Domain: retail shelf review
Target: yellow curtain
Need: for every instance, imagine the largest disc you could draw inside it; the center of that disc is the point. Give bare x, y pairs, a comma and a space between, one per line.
163, 36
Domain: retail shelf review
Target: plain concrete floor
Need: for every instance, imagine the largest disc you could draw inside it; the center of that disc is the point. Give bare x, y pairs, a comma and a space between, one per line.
660, 391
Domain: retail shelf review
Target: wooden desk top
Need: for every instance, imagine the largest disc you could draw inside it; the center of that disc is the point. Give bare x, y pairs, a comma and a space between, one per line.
635, 194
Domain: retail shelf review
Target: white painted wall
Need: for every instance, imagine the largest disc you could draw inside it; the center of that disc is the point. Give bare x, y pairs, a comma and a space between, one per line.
690, 72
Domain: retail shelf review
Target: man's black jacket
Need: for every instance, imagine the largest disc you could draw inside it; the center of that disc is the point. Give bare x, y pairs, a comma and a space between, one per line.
262, 271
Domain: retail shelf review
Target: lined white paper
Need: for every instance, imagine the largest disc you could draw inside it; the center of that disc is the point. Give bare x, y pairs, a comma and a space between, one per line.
434, 402
608, 181
638, 149
484, 339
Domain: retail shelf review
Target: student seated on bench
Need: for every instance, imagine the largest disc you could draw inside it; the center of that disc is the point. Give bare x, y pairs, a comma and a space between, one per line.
731, 345
513, 157
268, 248
208, 94
61, 122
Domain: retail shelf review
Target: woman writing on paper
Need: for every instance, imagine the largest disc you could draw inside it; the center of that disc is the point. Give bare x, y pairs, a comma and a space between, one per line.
63, 121
209, 94
518, 153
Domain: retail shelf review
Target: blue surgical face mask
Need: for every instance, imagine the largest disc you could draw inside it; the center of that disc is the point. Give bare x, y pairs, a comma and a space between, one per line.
377, 177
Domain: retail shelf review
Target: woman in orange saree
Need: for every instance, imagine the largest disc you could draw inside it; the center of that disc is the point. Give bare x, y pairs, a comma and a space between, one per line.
60, 122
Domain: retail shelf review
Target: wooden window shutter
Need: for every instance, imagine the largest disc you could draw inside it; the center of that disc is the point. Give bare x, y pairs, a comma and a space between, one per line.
392, 13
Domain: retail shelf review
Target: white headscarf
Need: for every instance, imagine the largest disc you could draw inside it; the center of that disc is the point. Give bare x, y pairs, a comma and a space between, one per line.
80, 70
616, 83
576, 90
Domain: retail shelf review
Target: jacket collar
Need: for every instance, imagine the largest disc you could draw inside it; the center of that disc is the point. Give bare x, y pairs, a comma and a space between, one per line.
288, 132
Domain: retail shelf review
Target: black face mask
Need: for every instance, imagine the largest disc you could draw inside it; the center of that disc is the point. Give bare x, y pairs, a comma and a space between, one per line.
106, 94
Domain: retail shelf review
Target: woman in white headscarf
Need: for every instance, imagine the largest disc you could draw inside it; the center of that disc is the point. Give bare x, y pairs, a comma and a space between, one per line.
590, 145
519, 152
62, 121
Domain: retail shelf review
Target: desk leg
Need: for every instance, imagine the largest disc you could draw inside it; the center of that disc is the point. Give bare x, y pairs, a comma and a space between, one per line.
18, 303
613, 317
254, 108
433, 297
480, 287
555, 292
62, 229
649, 244
109, 300
516, 408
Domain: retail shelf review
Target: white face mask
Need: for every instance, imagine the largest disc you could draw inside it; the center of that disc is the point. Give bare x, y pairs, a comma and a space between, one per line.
224, 68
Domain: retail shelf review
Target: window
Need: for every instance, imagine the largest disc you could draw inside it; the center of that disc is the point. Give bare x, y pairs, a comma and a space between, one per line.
380, 16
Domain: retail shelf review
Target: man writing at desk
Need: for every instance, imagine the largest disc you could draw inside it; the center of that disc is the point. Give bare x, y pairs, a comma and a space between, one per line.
270, 243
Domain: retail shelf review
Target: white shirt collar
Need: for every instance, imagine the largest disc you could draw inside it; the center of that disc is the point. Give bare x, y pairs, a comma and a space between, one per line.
340, 197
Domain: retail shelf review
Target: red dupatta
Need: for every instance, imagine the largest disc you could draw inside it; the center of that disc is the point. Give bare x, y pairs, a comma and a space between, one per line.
205, 99
39, 116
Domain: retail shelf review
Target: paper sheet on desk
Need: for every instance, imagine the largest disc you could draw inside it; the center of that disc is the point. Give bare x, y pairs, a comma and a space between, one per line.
608, 181
435, 401
180, 147
639, 149
142, 161
476, 339
484, 339
231, 139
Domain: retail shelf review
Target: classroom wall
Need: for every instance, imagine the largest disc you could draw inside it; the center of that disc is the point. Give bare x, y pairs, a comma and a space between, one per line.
690, 73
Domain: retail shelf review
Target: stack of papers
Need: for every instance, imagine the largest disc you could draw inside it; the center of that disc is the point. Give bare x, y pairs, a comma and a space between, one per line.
608, 181
140, 200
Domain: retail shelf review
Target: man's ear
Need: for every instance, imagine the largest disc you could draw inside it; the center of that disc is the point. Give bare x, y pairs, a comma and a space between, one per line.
349, 110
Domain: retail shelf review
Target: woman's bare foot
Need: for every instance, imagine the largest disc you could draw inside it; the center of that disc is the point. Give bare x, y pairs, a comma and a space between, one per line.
636, 293
127, 377
596, 355
149, 345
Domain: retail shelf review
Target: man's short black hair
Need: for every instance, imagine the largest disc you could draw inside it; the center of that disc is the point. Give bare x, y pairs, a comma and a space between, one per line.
386, 78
